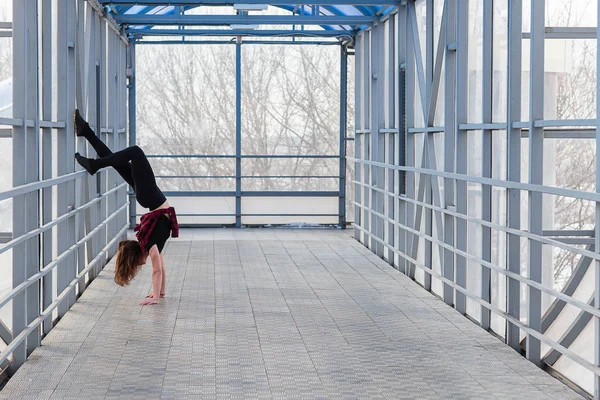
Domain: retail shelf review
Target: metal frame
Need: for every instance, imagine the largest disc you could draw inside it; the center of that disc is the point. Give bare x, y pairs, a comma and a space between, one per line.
404, 212
421, 199
75, 46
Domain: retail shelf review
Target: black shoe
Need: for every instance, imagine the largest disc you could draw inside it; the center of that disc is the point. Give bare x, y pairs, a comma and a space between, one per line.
86, 163
81, 125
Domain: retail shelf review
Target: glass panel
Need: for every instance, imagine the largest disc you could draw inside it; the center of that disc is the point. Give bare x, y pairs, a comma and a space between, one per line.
437, 20
570, 79
580, 13
289, 205
498, 284
475, 40
198, 169
500, 60
201, 205
474, 232
290, 99
6, 63
185, 103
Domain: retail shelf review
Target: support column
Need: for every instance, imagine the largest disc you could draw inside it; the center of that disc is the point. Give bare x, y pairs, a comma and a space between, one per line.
343, 131
238, 132
377, 138
536, 174
449, 145
486, 159
410, 97
62, 138
47, 114
358, 137
462, 65
597, 228
428, 141
26, 305
132, 120
513, 245
401, 236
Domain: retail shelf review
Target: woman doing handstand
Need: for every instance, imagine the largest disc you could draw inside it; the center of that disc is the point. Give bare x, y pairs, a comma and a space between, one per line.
155, 226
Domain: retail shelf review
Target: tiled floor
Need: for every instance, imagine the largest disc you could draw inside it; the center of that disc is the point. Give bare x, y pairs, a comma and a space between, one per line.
273, 314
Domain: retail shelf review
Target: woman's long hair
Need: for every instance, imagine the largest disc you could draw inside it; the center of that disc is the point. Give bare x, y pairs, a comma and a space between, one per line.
129, 261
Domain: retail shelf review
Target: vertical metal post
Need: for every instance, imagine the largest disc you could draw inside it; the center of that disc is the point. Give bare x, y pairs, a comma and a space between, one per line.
358, 137
20, 93
410, 100
376, 138
390, 121
597, 227
122, 91
428, 245
25, 306
343, 130
63, 158
102, 74
536, 174
367, 201
112, 125
70, 136
47, 113
132, 120
449, 145
238, 132
401, 138
513, 245
462, 19
91, 214
80, 184
486, 159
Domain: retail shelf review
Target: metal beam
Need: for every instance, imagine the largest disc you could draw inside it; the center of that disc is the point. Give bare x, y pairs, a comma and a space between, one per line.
246, 42
449, 143
238, 133
409, 120
579, 32
210, 20
536, 177
513, 245
358, 136
237, 32
462, 37
401, 237
597, 227
132, 119
486, 159
230, 3
47, 113
343, 132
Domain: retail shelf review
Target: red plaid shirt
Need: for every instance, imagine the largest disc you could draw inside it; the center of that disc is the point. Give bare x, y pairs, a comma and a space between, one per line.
148, 221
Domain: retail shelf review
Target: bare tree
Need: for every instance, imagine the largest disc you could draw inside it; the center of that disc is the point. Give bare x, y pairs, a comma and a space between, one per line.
575, 158
290, 106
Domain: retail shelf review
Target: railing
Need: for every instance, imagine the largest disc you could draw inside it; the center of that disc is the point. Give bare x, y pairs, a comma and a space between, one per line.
239, 194
401, 240
72, 265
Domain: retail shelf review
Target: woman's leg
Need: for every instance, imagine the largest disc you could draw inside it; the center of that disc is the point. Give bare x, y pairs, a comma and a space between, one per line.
144, 182
83, 130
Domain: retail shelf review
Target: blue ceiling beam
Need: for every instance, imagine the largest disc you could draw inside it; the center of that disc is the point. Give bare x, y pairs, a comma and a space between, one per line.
210, 20
230, 2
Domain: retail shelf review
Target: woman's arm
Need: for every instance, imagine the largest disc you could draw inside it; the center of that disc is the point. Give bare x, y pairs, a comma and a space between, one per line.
163, 287
156, 276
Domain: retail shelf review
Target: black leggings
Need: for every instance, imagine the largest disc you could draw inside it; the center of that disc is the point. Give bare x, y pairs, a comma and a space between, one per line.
133, 166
